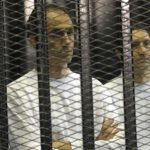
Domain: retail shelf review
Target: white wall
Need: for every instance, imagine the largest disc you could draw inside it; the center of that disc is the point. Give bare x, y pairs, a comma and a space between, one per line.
29, 5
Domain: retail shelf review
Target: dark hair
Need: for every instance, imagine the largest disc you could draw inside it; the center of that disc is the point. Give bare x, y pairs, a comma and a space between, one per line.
33, 22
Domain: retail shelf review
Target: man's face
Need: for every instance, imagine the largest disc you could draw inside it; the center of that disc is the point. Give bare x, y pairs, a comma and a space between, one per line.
60, 36
141, 48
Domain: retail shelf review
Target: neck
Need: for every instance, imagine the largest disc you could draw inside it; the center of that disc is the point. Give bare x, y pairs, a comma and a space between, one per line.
58, 71
142, 75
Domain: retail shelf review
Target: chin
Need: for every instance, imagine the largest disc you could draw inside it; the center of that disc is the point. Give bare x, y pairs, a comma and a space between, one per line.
68, 59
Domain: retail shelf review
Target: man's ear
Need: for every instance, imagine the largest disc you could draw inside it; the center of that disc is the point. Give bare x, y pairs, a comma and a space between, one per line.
32, 40
118, 53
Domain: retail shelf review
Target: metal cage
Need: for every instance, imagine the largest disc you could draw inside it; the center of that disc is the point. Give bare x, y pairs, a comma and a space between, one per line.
108, 78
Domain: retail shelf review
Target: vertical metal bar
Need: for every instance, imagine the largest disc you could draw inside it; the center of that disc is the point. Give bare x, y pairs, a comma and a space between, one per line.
3, 77
86, 80
128, 82
43, 76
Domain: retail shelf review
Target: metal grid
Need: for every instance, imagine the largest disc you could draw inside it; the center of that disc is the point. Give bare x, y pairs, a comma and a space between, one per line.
37, 110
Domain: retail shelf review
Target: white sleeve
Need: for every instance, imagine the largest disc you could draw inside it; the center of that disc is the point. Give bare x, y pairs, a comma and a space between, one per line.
105, 108
24, 133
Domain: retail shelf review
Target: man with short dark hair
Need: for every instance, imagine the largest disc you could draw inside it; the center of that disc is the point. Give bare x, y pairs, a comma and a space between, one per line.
141, 62
65, 91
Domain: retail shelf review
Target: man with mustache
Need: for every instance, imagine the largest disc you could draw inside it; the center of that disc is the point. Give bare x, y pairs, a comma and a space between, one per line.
65, 90
141, 62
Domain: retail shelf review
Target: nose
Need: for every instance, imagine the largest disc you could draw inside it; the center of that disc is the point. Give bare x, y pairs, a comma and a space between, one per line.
142, 55
67, 39
142, 51
142, 47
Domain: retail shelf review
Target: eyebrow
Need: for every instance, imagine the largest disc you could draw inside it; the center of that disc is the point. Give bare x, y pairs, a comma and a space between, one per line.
61, 29
54, 27
139, 40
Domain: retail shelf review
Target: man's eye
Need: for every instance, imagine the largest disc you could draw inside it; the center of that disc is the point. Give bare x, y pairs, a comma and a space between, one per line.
56, 33
135, 44
60, 33
70, 32
146, 43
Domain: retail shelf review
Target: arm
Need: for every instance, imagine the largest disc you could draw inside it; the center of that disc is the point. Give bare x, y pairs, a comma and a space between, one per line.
110, 130
110, 136
22, 118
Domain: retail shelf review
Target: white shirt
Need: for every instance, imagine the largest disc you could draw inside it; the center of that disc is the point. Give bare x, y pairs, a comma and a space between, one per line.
23, 112
142, 98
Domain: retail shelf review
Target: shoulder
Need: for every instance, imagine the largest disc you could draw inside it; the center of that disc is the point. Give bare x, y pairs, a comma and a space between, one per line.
98, 87
29, 79
101, 93
118, 81
96, 82
74, 75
